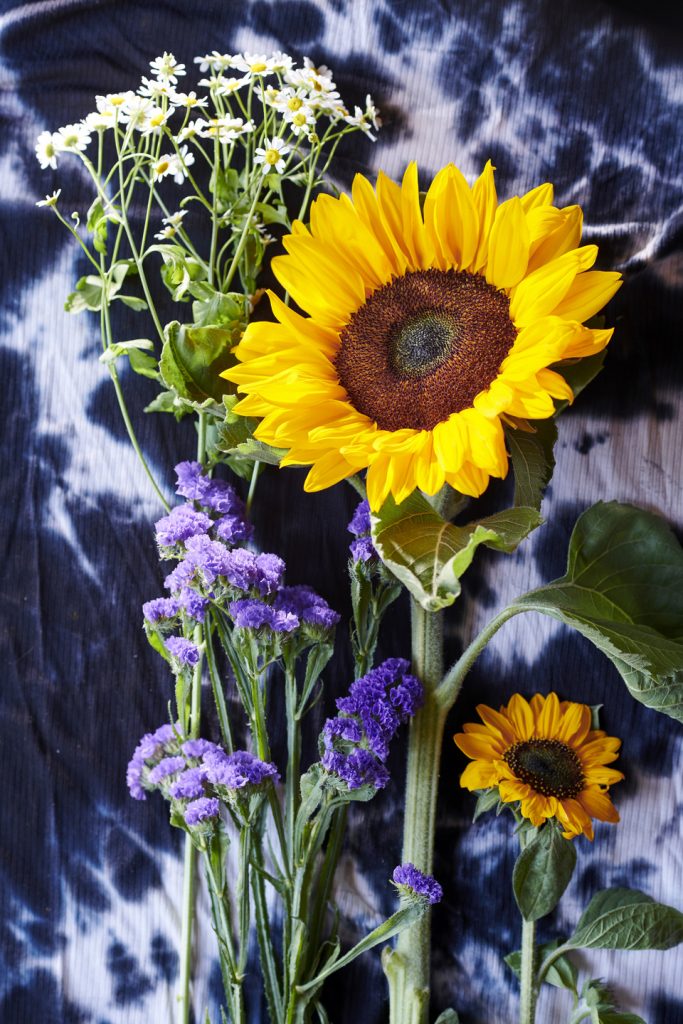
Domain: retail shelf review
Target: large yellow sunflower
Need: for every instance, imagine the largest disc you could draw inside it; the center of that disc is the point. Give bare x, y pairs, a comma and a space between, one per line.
429, 326
544, 754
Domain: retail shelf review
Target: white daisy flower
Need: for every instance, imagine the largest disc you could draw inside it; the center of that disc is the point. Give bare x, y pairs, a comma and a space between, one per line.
269, 94
224, 86
254, 63
113, 102
100, 120
136, 110
47, 149
163, 166
167, 68
179, 164
72, 138
171, 225
272, 155
154, 89
191, 130
174, 220
50, 200
365, 119
225, 129
214, 61
154, 120
190, 100
301, 122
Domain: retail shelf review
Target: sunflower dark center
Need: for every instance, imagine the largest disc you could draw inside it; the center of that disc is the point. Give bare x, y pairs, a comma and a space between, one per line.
548, 766
423, 346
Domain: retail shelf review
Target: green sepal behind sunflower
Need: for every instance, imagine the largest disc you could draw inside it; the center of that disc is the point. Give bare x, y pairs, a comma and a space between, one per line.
236, 444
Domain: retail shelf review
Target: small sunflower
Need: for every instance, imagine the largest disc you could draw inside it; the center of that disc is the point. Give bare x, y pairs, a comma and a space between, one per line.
544, 754
429, 326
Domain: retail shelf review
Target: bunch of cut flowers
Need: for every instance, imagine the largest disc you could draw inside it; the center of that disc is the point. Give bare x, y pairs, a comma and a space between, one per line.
417, 345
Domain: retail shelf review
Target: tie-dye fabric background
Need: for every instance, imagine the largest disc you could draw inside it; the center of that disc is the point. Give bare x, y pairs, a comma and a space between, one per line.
588, 95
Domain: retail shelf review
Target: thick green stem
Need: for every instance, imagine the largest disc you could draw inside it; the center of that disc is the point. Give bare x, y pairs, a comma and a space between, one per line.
189, 874
408, 968
529, 990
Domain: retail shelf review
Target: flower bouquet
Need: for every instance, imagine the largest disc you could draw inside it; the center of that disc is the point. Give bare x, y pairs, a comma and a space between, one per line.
414, 345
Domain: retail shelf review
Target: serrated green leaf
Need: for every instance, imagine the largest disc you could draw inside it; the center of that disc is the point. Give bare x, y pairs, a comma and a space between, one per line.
624, 591
132, 301
192, 359
627, 919
166, 402
212, 308
542, 872
143, 363
486, 801
579, 374
429, 555
532, 461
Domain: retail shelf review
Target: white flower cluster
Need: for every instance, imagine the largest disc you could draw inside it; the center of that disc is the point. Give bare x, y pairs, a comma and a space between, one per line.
292, 106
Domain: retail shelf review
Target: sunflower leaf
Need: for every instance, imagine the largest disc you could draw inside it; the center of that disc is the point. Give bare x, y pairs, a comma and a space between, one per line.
561, 974
627, 919
532, 462
192, 359
623, 590
429, 555
542, 873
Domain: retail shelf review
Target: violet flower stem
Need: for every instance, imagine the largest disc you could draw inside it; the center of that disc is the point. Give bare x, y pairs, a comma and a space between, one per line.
407, 968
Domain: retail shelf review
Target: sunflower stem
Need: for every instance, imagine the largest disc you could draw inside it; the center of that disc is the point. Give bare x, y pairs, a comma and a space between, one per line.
408, 968
529, 990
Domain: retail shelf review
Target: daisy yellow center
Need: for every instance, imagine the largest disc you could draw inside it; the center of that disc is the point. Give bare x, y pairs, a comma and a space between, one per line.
258, 67
272, 156
423, 346
550, 767
295, 103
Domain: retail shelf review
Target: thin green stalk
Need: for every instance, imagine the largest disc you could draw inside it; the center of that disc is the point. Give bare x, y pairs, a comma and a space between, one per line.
411, 961
269, 966
243, 240
528, 985
188, 900
293, 759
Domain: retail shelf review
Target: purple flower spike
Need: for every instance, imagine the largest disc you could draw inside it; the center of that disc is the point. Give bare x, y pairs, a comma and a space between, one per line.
356, 769
417, 884
134, 778
201, 810
160, 608
362, 549
189, 785
360, 521
180, 524
167, 766
184, 651
198, 747
232, 529
251, 613
192, 483
222, 497
237, 770
308, 606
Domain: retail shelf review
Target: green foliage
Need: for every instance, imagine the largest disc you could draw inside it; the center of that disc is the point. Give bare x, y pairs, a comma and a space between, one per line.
542, 872
599, 1004
623, 590
627, 919
192, 359
486, 801
561, 974
92, 290
137, 352
429, 555
447, 1017
532, 461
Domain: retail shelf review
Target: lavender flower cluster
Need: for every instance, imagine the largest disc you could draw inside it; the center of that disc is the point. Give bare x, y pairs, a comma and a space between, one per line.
413, 883
356, 743
202, 535
362, 549
196, 775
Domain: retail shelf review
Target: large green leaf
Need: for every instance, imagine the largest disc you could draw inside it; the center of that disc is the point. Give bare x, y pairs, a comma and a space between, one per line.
429, 555
561, 974
531, 455
627, 919
192, 359
542, 872
624, 591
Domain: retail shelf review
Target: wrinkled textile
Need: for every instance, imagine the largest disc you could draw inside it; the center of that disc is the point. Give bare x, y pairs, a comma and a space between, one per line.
585, 94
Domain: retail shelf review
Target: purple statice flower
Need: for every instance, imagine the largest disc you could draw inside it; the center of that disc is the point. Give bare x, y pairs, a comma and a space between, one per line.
269, 571
209, 556
414, 883
192, 483
250, 613
200, 810
360, 521
160, 608
184, 651
342, 728
309, 607
362, 549
152, 743
182, 576
189, 785
194, 604
134, 778
382, 699
220, 496
232, 529
285, 622
358, 768
167, 766
237, 770
198, 747
180, 524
